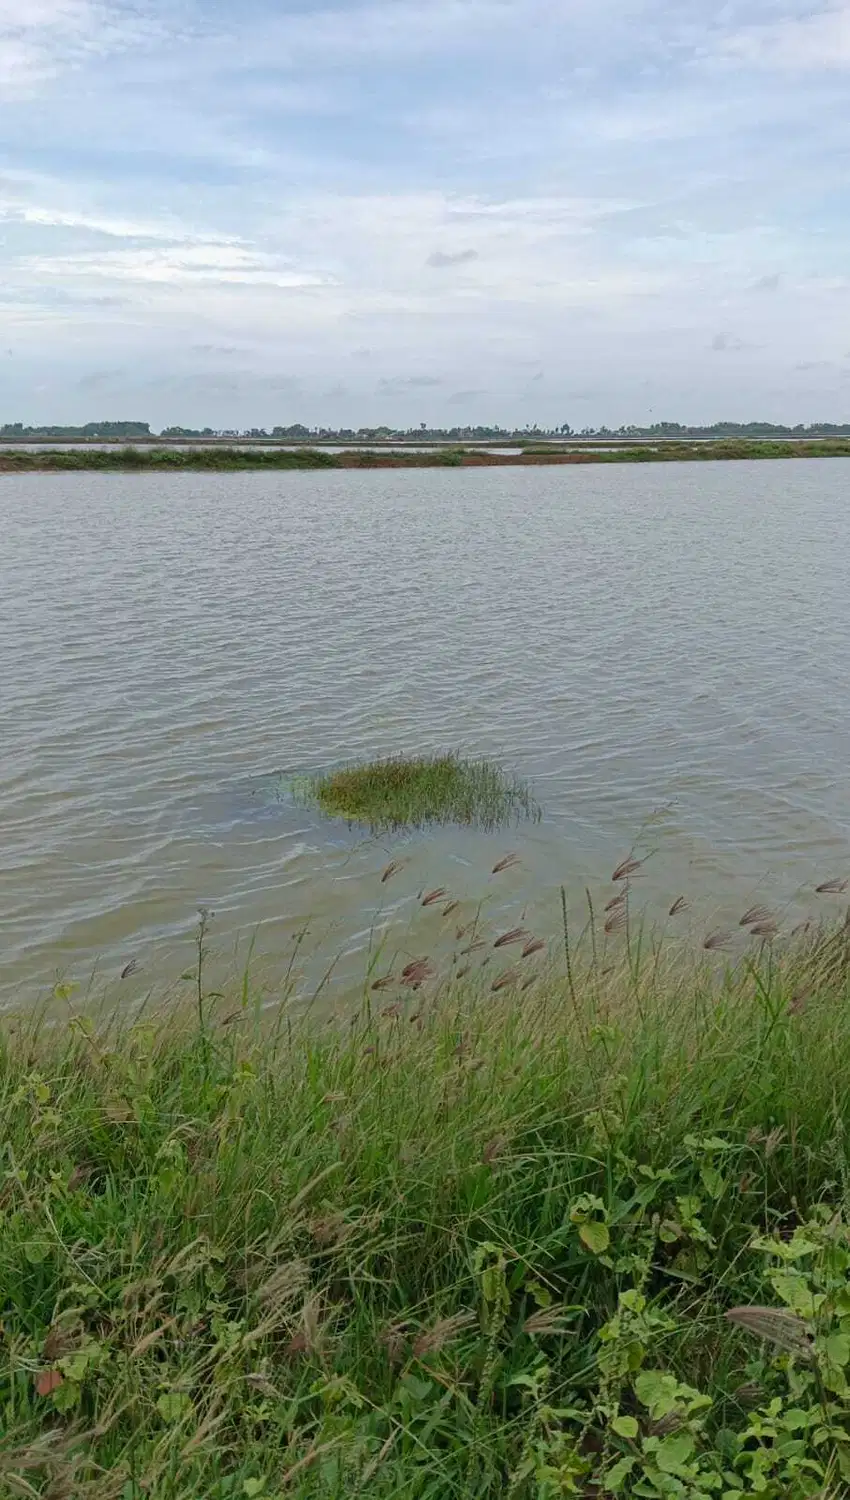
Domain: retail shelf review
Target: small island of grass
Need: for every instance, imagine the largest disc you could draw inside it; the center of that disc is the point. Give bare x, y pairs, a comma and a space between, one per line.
411, 792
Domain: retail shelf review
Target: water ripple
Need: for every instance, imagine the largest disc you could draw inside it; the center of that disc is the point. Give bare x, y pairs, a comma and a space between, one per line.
629, 638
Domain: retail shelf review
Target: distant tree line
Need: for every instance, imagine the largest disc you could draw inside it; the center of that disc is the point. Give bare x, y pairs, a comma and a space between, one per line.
297, 432
13, 430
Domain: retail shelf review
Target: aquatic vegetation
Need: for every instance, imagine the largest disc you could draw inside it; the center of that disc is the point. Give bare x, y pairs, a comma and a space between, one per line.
176, 458
413, 791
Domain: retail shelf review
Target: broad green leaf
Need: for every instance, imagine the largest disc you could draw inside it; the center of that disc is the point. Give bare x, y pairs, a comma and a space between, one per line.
625, 1427
67, 1396
172, 1405
595, 1236
837, 1349
657, 1391
418, 1390
795, 1292
674, 1452
616, 1477
713, 1182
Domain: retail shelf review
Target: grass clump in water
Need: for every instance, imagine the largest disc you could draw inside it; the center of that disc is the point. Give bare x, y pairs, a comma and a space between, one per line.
411, 792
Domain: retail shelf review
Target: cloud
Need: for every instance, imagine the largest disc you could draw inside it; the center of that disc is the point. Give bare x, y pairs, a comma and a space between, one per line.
813, 364
99, 380
180, 265
727, 343
205, 383
43, 38
54, 217
397, 383
440, 259
811, 41
187, 186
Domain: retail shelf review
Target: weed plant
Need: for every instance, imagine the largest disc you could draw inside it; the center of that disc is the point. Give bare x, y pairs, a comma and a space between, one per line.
405, 792
557, 1219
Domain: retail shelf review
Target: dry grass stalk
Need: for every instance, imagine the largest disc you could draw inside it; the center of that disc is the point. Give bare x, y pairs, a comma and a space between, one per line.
797, 1003
444, 1331
311, 1326
680, 904
415, 973
146, 1343
617, 920
784, 1329
392, 1012
61, 1339
832, 887
386, 983
392, 869
516, 935
627, 868
506, 863
750, 1393
765, 930
667, 1425
527, 983
536, 945
756, 914
717, 940
773, 1140
433, 896
452, 906
394, 1340
548, 1320
494, 1149
619, 900
507, 977
473, 947
284, 1285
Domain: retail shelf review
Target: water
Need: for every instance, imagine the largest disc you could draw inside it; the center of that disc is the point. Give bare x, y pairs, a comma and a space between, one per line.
662, 650
59, 445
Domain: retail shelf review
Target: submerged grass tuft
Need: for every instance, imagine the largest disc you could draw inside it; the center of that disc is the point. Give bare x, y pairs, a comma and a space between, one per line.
411, 792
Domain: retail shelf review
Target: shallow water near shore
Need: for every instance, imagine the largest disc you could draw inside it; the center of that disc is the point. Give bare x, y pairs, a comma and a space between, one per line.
661, 651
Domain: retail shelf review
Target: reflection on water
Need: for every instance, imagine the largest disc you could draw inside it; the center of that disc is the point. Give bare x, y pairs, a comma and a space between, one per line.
662, 644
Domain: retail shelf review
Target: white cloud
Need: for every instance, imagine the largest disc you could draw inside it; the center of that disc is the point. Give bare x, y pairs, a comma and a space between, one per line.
814, 41
480, 188
40, 38
186, 266
19, 210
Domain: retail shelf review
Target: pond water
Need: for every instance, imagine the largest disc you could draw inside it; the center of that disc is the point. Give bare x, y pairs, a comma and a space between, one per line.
663, 651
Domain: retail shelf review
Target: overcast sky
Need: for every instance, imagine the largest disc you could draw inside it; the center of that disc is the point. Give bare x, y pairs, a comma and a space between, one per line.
237, 212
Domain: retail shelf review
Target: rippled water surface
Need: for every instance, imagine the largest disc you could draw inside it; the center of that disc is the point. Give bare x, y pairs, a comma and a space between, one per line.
663, 651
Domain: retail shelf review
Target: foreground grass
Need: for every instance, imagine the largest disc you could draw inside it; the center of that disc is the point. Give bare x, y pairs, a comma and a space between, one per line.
223, 459
478, 1240
413, 791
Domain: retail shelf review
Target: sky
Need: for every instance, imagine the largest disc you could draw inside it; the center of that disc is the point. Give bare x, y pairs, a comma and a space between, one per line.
349, 212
